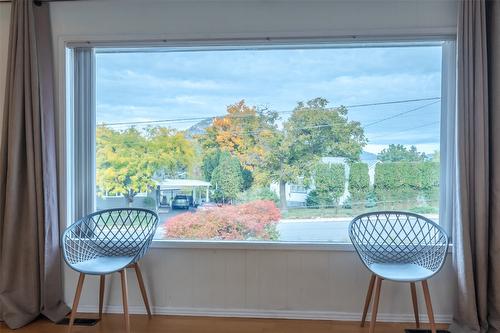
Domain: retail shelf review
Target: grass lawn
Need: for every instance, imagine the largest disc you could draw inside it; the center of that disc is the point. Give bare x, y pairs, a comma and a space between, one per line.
304, 212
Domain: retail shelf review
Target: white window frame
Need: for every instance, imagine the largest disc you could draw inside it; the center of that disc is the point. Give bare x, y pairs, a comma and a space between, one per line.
78, 184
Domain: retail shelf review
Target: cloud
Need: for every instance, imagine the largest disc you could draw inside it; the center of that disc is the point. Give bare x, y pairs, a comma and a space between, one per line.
170, 85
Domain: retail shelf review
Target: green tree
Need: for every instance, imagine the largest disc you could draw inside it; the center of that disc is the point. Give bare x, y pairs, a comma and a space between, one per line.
169, 152
209, 163
312, 131
359, 183
399, 153
121, 162
227, 179
127, 160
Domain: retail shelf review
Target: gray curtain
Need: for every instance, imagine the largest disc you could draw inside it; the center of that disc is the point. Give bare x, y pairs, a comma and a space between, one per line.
30, 263
476, 243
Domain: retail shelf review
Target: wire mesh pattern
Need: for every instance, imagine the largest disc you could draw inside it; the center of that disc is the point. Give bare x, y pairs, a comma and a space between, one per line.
123, 232
392, 237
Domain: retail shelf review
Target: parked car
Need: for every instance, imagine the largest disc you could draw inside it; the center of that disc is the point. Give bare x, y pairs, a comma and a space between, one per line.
180, 202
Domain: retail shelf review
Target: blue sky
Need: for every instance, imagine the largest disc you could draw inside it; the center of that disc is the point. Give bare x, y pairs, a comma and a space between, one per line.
172, 85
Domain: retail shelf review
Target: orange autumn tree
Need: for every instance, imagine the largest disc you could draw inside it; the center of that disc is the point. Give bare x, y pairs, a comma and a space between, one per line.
240, 133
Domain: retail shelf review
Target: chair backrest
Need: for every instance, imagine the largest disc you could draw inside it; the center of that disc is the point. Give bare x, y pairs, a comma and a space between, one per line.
112, 232
399, 237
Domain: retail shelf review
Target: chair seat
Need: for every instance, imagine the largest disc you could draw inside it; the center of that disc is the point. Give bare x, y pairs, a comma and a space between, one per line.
401, 272
102, 265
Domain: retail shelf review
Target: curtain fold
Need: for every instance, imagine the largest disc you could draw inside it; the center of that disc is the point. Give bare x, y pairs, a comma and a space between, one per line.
493, 41
475, 247
30, 264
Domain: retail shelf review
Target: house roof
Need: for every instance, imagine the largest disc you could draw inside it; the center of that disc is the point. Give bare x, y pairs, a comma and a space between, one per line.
178, 183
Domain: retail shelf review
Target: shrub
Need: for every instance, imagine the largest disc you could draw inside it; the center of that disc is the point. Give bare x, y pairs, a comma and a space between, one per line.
258, 193
149, 202
359, 183
371, 200
406, 181
329, 182
253, 220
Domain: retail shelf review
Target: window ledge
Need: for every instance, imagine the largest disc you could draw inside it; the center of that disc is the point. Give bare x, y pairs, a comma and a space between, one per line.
251, 245
256, 245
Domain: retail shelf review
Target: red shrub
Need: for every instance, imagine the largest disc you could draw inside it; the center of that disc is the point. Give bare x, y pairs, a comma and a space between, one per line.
253, 220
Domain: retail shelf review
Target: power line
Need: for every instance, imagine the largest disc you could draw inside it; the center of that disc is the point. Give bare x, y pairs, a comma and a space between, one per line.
396, 102
183, 120
399, 114
337, 125
406, 129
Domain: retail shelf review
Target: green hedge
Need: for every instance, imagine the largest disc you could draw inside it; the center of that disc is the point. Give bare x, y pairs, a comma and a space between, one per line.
329, 182
359, 183
397, 182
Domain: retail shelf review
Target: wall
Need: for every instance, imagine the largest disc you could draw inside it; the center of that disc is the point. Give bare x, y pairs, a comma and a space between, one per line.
248, 282
263, 283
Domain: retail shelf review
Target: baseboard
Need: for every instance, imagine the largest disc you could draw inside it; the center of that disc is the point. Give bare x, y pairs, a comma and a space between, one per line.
252, 313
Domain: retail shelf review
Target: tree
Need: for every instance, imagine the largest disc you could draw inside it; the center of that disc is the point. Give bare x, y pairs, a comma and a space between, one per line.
170, 153
359, 182
120, 162
227, 178
127, 160
312, 131
399, 153
211, 161
238, 133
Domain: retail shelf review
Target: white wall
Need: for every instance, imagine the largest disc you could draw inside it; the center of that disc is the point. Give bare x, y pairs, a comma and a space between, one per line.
281, 283
264, 283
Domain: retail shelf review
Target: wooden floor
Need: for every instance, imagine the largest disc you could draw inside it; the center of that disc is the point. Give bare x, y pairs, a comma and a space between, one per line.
178, 324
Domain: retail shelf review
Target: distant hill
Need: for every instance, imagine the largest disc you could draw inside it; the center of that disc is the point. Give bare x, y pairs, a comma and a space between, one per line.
198, 128
366, 156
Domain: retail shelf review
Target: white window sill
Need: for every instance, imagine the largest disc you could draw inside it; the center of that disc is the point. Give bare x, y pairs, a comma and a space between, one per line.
251, 245
256, 245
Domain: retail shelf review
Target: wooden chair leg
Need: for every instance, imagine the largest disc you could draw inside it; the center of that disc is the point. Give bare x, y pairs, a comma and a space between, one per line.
76, 300
143, 289
378, 285
123, 276
101, 294
415, 302
428, 304
368, 299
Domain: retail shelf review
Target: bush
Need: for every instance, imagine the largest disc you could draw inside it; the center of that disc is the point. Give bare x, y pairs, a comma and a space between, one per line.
406, 181
347, 203
371, 200
329, 183
317, 199
359, 182
258, 193
253, 220
149, 202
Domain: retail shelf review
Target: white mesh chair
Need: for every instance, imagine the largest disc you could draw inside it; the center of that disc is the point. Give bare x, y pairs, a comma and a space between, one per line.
401, 247
106, 242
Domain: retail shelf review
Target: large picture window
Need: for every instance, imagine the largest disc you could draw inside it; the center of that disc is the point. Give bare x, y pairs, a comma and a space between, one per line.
261, 143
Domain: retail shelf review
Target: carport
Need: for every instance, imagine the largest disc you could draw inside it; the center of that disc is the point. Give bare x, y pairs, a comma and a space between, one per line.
167, 189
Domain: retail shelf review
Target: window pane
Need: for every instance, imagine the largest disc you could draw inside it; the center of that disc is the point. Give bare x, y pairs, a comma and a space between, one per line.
279, 144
